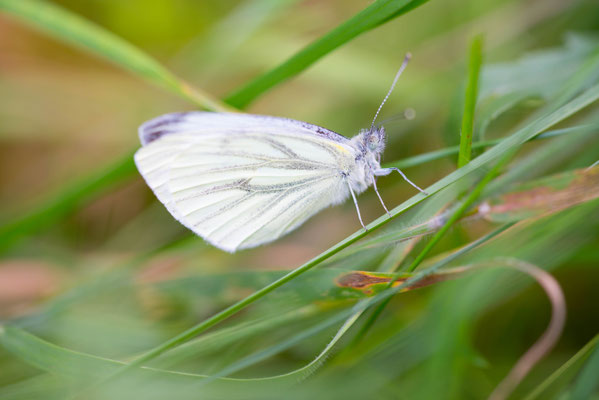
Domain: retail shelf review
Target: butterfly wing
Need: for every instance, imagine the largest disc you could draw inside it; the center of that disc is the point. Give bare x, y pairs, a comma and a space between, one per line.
242, 180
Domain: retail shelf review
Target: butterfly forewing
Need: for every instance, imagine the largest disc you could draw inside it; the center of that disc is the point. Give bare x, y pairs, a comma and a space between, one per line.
241, 180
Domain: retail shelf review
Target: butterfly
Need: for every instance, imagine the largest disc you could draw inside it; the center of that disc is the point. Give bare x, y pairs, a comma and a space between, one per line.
241, 180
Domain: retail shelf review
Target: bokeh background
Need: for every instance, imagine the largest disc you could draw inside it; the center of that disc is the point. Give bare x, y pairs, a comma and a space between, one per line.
112, 274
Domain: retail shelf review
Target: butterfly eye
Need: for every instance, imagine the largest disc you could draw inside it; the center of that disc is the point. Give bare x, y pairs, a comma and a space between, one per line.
373, 142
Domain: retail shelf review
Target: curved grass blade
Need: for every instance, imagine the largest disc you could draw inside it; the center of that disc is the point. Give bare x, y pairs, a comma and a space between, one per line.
550, 336
376, 14
75, 30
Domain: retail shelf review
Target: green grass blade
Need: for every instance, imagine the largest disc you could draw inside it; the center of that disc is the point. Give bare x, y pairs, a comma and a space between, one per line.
58, 360
587, 383
450, 151
73, 29
495, 107
474, 63
376, 14
67, 200
219, 340
556, 381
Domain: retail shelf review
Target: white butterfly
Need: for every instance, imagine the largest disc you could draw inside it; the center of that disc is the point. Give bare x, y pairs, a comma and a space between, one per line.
241, 180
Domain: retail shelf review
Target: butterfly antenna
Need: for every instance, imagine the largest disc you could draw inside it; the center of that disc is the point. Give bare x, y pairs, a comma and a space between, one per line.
397, 75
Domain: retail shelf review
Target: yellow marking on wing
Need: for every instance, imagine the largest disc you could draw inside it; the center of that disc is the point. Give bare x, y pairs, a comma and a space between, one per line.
340, 148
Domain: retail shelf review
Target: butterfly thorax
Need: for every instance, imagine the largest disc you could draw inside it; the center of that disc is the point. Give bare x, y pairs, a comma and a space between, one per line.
369, 145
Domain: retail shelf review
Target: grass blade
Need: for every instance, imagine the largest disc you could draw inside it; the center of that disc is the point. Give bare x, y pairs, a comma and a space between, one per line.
73, 29
476, 48
587, 382
557, 380
450, 151
66, 200
376, 14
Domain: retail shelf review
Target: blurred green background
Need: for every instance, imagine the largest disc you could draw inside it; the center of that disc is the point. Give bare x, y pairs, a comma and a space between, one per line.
91, 262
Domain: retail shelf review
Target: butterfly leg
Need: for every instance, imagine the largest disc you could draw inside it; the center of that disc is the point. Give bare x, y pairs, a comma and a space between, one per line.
387, 171
376, 189
353, 195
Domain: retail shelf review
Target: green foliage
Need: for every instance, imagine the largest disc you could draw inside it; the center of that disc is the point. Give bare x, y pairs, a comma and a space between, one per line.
466, 133
378, 13
67, 200
560, 379
183, 320
77, 31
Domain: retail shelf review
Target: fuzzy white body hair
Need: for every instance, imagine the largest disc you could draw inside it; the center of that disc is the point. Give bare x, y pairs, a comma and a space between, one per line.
369, 145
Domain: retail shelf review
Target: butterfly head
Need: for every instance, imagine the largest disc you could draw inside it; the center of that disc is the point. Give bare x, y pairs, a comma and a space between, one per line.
374, 140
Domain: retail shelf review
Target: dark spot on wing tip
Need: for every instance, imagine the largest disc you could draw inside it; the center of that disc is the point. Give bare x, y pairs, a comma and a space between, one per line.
149, 137
359, 280
151, 130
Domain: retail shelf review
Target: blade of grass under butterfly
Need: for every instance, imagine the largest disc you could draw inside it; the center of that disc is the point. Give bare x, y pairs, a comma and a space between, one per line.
474, 63
376, 14
509, 143
75, 30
